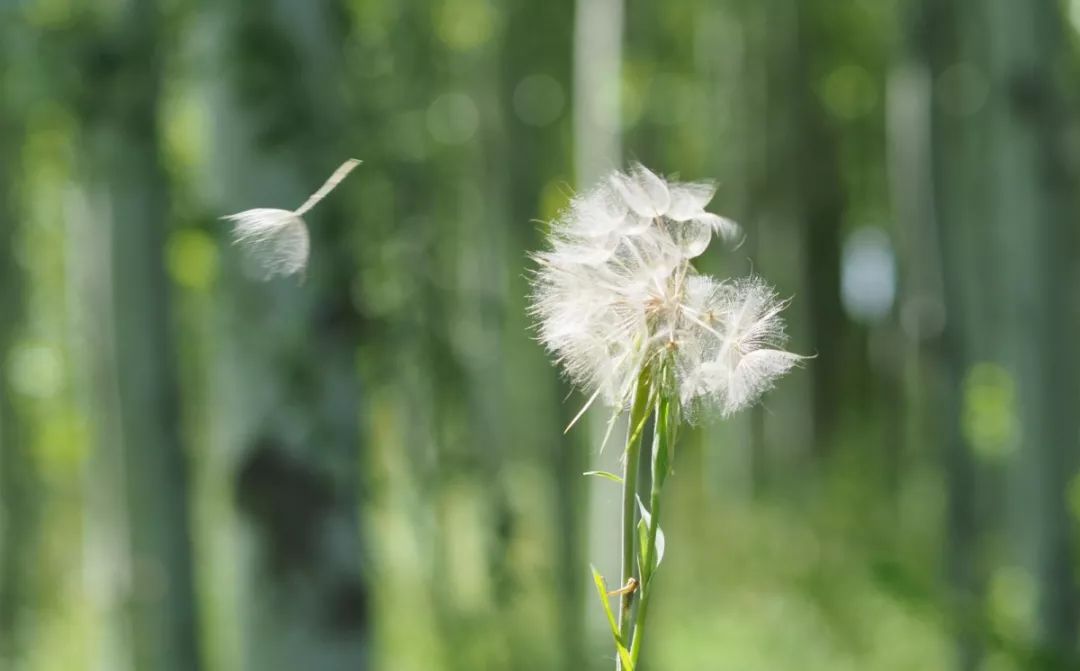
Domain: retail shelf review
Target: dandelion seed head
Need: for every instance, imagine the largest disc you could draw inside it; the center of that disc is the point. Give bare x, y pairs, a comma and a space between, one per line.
615, 291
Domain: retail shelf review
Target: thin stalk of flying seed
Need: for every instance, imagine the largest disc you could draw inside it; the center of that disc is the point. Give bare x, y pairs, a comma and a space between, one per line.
343, 170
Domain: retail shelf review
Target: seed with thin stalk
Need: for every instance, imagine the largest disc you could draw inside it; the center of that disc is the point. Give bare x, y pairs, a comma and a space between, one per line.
277, 241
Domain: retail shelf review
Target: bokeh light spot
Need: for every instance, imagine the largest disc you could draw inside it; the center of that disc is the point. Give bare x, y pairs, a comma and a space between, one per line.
922, 317
408, 137
538, 100
35, 369
453, 118
52, 14
192, 259
868, 275
849, 92
1073, 496
989, 422
1012, 601
962, 89
184, 128
464, 24
671, 99
63, 444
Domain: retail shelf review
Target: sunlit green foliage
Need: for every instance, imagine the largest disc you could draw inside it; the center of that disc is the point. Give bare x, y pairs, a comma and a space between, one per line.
899, 505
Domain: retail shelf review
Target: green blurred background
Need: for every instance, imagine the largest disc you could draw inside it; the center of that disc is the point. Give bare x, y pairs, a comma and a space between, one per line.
366, 469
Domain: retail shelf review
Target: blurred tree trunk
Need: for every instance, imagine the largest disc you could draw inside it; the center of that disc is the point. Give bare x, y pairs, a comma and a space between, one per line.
446, 360
911, 195
17, 476
932, 41
283, 393
538, 48
1032, 229
452, 427
1007, 220
931, 47
813, 155
477, 510
598, 36
474, 429
793, 228
135, 358
599, 27
404, 362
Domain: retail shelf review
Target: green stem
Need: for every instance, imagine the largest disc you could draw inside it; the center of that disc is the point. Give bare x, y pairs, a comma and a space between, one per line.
639, 411
663, 440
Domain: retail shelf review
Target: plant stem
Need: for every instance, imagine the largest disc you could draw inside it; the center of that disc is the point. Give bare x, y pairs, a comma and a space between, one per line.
639, 410
663, 438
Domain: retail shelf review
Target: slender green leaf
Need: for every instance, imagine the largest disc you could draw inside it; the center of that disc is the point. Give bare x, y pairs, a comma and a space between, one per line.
605, 474
643, 542
661, 457
643, 527
610, 427
602, 591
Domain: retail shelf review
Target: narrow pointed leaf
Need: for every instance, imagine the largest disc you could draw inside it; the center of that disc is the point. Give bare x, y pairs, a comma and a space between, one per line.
605, 474
602, 591
610, 428
643, 549
646, 519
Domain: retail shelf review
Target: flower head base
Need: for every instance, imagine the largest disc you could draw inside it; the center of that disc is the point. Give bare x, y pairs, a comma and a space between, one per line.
616, 293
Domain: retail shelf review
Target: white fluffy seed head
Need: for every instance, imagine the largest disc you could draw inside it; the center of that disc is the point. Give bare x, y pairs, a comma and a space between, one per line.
615, 292
276, 242
745, 358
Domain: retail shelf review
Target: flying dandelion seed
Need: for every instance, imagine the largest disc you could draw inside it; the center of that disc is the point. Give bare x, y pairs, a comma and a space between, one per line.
277, 240
616, 291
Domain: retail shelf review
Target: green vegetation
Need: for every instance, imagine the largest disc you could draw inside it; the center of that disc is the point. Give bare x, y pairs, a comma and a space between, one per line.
364, 468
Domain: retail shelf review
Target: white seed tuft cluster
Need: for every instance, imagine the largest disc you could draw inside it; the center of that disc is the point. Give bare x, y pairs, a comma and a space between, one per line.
616, 292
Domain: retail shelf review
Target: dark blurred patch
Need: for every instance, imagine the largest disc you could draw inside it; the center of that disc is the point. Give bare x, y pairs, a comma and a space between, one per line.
896, 579
288, 502
1031, 93
504, 577
348, 611
291, 505
267, 77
